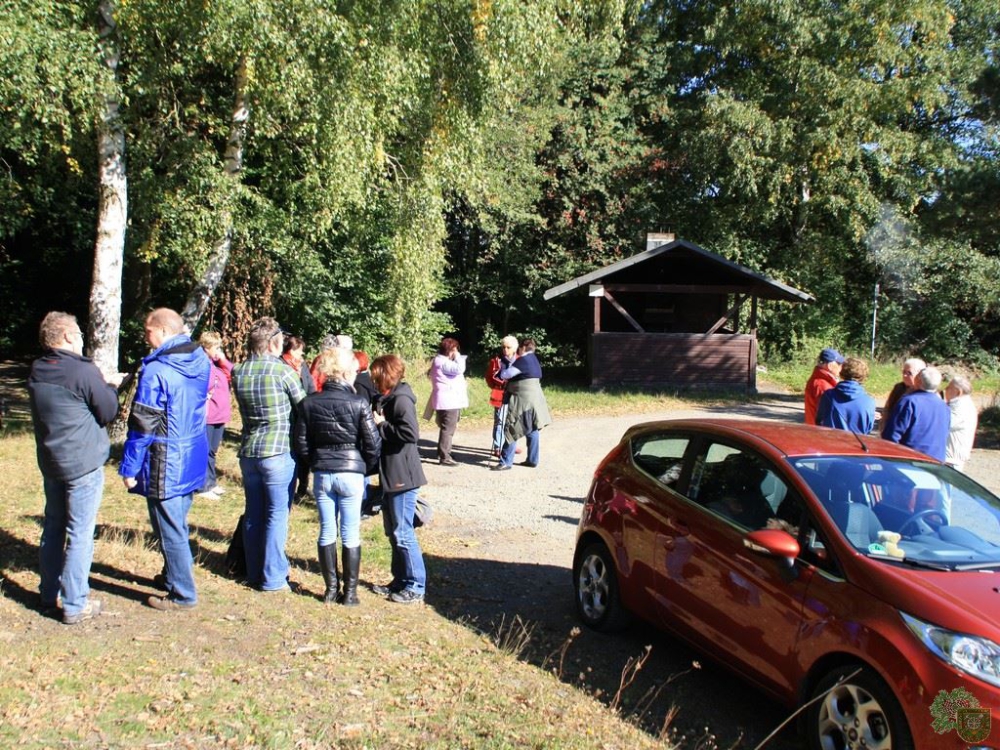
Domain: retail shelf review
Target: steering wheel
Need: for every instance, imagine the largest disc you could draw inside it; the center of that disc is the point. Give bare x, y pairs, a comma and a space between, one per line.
920, 515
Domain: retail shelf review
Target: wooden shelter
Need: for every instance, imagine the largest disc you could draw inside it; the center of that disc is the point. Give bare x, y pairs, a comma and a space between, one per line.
670, 317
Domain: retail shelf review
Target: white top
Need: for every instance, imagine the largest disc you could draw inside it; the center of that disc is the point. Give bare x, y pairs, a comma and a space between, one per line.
962, 433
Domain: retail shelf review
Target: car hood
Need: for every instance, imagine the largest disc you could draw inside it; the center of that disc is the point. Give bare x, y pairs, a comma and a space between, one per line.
964, 601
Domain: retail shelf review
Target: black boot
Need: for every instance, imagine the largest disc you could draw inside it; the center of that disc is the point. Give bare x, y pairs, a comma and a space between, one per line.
352, 566
328, 564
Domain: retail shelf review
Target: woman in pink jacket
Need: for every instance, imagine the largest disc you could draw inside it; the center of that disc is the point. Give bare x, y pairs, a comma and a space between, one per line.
449, 395
219, 408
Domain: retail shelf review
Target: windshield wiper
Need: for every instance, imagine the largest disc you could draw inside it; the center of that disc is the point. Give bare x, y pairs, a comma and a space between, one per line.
993, 565
914, 562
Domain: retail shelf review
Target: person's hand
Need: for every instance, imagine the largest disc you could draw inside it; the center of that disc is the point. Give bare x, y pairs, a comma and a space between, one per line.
377, 416
129, 482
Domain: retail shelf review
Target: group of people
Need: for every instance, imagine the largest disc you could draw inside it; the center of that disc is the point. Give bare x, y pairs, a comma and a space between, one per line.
917, 413
344, 427
514, 377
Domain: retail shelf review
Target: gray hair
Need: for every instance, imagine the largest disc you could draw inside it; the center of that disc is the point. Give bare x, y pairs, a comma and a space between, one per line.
928, 379
337, 341
54, 328
510, 341
261, 334
962, 384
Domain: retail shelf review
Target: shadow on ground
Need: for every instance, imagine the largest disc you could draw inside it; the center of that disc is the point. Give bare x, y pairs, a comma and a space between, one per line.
528, 609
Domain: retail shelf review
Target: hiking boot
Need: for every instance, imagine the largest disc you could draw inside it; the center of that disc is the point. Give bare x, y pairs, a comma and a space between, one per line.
381, 590
91, 610
448, 462
166, 604
406, 596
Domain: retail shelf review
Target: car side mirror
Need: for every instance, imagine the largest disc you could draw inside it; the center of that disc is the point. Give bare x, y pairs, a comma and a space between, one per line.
776, 543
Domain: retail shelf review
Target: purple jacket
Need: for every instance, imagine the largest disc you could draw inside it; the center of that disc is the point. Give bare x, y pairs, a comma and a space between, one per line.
448, 388
220, 406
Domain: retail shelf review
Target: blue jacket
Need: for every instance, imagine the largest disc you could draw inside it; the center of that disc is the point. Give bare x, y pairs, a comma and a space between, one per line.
920, 420
167, 446
70, 406
847, 406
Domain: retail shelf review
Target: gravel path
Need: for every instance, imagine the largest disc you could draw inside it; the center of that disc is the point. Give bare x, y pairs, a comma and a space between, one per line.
500, 552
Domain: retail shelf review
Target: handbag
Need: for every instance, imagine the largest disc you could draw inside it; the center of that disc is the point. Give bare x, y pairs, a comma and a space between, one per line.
236, 559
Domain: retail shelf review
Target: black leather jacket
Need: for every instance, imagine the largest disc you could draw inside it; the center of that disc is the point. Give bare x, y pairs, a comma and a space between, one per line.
337, 431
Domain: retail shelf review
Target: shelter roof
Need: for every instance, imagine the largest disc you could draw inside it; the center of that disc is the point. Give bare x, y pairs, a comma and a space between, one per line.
683, 262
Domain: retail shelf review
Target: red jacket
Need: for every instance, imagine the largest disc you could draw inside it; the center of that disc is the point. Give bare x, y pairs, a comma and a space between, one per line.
496, 385
819, 383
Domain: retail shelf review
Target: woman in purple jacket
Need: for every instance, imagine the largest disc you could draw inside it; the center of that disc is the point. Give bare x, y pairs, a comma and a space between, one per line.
219, 409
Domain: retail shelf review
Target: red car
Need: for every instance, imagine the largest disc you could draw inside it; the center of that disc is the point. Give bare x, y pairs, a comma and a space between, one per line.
816, 563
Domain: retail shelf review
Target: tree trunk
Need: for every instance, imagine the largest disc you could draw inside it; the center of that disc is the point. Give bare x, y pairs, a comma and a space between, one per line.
109, 250
200, 296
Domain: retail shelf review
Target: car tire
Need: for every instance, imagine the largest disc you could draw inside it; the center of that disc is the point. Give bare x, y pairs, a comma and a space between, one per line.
859, 712
595, 581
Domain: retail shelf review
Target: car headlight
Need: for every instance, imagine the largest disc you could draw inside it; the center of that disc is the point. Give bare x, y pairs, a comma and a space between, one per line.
980, 657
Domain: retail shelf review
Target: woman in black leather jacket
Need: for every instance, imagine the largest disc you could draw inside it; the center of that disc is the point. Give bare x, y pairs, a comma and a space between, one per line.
343, 444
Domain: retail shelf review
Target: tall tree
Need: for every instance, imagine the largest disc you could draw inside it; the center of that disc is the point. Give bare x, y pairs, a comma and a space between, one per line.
104, 325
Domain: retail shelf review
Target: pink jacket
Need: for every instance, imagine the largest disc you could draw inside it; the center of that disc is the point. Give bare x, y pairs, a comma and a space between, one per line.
220, 407
448, 387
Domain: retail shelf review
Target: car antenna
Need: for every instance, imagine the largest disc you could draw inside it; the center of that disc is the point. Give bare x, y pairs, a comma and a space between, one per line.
862, 443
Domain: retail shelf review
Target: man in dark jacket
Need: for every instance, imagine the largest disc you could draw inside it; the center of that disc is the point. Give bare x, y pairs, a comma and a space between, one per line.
166, 451
921, 419
70, 406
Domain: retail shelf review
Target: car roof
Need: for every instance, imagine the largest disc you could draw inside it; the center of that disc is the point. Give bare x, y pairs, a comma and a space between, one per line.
790, 439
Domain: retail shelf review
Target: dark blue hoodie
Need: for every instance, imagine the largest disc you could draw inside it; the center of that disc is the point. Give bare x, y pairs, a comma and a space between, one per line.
167, 447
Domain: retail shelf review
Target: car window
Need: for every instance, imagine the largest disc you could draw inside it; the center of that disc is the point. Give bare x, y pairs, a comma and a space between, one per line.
661, 456
737, 484
914, 510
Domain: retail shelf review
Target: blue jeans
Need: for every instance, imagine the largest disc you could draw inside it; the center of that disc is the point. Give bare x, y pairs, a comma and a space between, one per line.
67, 546
533, 450
169, 520
267, 486
215, 433
338, 494
499, 417
407, 564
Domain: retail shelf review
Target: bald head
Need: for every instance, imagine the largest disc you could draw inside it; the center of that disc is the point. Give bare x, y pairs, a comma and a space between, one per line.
162, 324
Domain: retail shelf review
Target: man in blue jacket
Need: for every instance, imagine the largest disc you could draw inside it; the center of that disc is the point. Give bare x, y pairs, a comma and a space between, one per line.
166, 451
921, 419
70, 406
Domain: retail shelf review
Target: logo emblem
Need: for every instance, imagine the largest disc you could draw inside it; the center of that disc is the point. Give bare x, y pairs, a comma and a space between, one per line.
946, 706
973, 724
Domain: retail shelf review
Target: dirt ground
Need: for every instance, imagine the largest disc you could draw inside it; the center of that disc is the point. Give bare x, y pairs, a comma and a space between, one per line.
526, 520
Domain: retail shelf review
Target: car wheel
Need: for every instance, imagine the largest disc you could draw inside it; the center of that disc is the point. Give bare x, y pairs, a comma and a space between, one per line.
859, 712
595, 579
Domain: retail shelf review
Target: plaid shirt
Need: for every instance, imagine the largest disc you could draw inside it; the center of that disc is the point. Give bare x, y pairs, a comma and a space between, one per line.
268, 392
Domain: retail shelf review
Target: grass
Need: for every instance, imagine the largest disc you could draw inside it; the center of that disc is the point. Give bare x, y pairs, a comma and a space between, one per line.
247, 670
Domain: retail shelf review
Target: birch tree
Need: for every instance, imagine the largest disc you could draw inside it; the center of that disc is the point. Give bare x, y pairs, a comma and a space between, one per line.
104, 323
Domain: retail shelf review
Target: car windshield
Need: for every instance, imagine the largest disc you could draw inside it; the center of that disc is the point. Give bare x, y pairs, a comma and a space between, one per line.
909, 511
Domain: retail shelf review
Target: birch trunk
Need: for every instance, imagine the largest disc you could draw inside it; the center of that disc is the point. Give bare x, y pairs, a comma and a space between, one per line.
109, 249
200, 296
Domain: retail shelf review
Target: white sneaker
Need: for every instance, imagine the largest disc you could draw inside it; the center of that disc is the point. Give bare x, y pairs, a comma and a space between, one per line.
208, 495
218, 489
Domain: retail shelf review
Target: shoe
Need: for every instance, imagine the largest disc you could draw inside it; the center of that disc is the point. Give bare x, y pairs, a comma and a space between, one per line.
381, 590
91, 610
529, 464
208, 494
218, 489
448, 462
501, 467
406, 596
286, 589
166, 604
